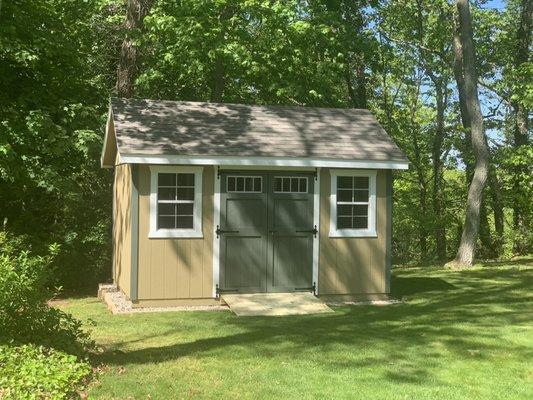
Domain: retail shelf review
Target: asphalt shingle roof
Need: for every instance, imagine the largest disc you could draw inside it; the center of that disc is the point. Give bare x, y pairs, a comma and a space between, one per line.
154, 127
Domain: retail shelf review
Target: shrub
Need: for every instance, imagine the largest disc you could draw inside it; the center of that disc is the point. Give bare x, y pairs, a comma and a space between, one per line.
37, 372
25, 315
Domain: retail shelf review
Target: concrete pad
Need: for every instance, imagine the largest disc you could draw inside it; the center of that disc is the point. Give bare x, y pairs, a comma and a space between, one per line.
259, 304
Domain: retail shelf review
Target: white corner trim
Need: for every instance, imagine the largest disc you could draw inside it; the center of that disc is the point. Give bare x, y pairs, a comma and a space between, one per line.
216, 241
371, 230
196, 232
238, 161
316, 221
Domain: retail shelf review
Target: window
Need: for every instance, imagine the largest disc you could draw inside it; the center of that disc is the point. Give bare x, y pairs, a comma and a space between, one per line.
353, 203
244, 184
290, 184
176, 202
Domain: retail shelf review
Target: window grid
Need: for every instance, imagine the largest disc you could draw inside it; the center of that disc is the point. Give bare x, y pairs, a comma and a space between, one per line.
290, 184
173, 212
244, 184
352, 213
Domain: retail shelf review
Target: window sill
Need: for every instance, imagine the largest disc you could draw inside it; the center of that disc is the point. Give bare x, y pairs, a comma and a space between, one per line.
353, 233
175, 233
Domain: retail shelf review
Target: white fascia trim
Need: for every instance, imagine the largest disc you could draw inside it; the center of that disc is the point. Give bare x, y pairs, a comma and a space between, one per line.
108, 123
316, 221
238, 161
216, 241
339, 233
196, 232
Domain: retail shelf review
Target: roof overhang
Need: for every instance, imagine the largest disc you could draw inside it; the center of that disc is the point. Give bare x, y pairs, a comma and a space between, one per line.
238, 161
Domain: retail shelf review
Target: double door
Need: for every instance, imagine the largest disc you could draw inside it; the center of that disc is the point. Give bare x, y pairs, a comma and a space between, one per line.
266, 231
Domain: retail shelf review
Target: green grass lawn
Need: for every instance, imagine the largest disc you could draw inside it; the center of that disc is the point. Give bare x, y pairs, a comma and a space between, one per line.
458, 335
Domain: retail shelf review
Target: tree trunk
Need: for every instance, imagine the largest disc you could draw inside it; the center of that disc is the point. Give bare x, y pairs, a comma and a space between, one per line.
440, 229
218, 80
127, 69
521, 113
467, 247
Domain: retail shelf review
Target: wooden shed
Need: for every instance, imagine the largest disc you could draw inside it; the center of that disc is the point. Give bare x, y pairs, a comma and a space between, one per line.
216, 198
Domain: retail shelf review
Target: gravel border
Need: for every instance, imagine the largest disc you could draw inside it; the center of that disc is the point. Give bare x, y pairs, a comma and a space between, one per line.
118, 303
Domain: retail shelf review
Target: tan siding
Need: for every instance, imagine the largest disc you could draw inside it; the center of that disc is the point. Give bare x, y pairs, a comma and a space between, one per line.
352, 265
122, 228
175, 268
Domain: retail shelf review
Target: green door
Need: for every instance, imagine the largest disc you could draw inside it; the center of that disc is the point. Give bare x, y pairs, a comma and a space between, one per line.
243, 232
266, 231
290, 220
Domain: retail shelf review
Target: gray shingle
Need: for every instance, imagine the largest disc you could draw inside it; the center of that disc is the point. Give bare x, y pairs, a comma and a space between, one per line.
192, 128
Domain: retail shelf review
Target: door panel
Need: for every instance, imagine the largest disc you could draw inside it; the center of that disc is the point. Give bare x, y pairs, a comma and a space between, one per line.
245, 259
290, 264
243, 215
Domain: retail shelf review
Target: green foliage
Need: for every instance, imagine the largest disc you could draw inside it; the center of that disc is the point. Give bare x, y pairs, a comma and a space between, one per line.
58, 69
36, 372
25, 315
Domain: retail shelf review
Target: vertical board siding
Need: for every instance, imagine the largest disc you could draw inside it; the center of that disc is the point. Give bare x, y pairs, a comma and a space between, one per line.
122, 228
353, 265
172, 268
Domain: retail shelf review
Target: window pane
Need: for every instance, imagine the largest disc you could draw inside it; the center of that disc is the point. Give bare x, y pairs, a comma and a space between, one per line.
303, 185
185, 179
286, 184
360, 195
166, 209
344, 182
185, 193
361, 182
240, 184
166, 180
185, 209
249, 184
231, 184
294, 184
166, 194
166, 222
344, 210
344, 195
184, 222
344, 222
360, 222
277, 185
360, 210
257, 185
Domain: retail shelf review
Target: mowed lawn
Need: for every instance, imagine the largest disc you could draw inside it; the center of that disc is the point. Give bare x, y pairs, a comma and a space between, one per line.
458, 335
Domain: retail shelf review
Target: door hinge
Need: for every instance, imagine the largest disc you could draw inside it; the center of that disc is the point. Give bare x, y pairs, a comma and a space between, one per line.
314, 231
218, 171
219, 231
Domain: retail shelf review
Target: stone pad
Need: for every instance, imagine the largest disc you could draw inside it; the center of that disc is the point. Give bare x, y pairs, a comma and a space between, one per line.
261, 304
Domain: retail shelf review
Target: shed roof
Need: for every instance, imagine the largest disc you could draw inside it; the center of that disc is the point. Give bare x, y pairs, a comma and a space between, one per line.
181, 128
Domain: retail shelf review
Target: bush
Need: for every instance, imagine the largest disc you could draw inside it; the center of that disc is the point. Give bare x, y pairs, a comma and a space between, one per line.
37, 372
25, 315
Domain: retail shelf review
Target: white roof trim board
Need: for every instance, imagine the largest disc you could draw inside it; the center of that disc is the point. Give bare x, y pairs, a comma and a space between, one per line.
172, 132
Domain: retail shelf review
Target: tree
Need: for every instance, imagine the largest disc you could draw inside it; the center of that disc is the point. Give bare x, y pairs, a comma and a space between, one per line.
127, 71
466, 252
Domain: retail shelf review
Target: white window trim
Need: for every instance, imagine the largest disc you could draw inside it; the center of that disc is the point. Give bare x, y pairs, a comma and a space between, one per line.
196, 232
371, 230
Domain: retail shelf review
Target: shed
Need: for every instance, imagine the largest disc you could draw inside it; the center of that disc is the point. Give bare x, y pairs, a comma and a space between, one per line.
215, 198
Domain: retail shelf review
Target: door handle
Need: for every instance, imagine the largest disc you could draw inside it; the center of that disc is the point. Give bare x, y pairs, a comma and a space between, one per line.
272, 232
314, 231
218, 231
